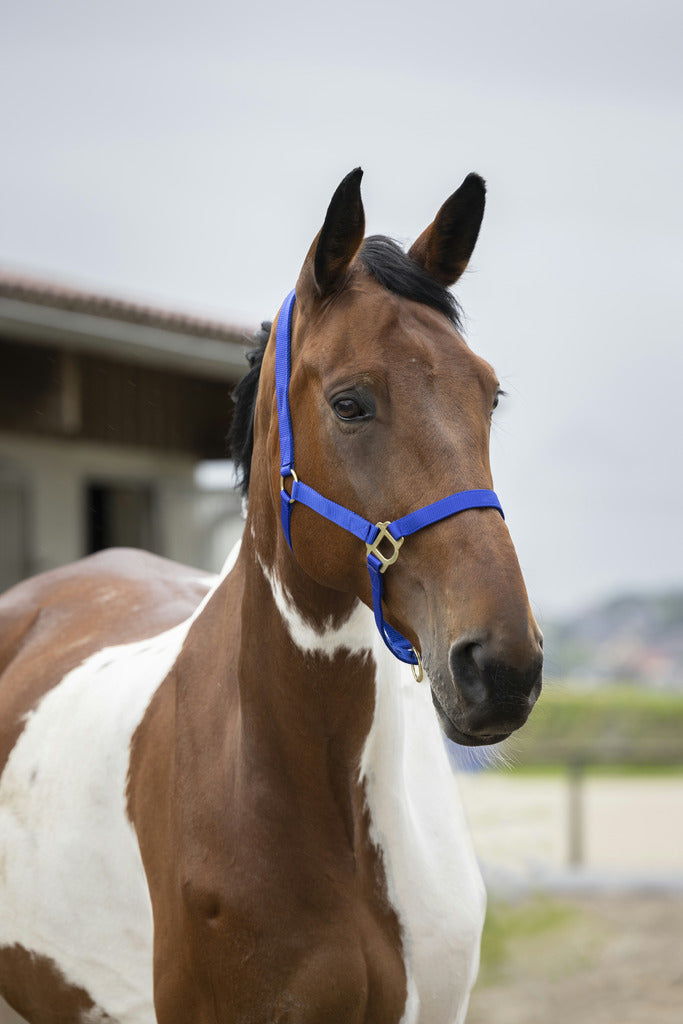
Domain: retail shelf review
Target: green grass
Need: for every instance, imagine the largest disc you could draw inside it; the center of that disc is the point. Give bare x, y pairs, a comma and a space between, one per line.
516, 929
611, 725
539, 935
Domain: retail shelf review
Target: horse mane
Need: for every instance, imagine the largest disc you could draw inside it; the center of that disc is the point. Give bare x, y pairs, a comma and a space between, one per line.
395, 271
244, 397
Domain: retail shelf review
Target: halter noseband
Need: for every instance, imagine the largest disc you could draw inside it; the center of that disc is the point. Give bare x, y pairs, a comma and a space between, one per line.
373, 534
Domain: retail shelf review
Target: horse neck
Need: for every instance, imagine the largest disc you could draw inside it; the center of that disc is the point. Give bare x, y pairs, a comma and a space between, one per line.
306, 674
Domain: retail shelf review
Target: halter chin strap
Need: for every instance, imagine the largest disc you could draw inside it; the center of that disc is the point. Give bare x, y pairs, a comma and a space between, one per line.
389, 535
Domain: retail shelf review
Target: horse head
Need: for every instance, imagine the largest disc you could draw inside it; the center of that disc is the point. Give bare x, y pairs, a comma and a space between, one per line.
391, 411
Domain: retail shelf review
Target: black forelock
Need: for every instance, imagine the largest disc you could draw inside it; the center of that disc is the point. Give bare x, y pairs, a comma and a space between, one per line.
395, 270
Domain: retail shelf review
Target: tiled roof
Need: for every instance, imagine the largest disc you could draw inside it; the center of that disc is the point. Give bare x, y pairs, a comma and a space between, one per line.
58, 296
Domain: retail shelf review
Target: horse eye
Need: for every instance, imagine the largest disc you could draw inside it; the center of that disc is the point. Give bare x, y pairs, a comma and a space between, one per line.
348, 408
499, 394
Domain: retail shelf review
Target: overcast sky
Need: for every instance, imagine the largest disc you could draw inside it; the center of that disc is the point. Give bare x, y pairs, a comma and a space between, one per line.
185, 154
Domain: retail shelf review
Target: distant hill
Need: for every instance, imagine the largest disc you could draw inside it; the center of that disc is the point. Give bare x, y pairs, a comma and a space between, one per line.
631, 639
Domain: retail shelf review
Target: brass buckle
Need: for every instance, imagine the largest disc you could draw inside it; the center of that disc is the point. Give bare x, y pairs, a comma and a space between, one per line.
294, 477
373, 549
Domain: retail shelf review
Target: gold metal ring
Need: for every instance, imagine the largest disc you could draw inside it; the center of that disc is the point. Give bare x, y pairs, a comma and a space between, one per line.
417, 669
294, 477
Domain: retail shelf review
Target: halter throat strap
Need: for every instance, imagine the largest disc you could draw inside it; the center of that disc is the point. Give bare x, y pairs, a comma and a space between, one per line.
383, 540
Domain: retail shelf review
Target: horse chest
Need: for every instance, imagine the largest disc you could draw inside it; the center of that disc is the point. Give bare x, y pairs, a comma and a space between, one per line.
286, 958
401, 946
278, 918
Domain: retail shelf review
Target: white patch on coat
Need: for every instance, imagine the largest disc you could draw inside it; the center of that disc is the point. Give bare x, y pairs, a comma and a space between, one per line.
354, 634
417, 821
72, 883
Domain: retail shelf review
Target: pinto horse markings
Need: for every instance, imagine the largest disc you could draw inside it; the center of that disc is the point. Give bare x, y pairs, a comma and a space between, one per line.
223, 799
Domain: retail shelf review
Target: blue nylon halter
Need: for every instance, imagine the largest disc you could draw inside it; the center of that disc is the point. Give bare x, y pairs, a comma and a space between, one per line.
373, 534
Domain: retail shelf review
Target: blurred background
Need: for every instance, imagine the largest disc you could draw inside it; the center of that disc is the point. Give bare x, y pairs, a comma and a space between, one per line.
164, 169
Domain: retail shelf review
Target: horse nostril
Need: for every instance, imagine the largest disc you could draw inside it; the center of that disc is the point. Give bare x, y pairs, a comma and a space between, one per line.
467, 661
484, 672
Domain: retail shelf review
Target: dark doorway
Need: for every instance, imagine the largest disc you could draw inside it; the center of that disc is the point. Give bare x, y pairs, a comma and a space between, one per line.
121, 515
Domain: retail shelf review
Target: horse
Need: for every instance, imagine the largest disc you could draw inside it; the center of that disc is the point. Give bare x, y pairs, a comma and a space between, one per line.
228, 799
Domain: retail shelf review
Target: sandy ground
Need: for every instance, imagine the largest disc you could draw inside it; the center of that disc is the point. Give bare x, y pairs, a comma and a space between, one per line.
616, 957
629, 825
616, 960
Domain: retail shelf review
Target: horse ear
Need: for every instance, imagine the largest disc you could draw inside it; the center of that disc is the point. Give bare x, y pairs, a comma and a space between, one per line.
339, 238
444, 248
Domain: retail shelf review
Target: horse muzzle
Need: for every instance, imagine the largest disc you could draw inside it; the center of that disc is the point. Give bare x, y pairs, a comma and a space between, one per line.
487, 695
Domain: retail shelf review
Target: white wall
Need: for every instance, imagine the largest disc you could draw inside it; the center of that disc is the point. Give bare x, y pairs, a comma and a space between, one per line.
195, 526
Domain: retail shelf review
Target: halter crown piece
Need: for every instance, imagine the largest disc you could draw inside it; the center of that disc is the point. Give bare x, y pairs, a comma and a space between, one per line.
372, 534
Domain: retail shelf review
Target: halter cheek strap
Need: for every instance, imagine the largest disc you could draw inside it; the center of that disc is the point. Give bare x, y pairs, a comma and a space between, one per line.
382, 540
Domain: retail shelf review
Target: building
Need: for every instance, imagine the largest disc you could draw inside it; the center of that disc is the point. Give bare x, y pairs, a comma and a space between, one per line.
113, 425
